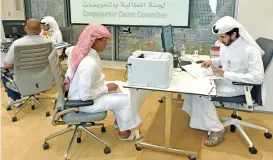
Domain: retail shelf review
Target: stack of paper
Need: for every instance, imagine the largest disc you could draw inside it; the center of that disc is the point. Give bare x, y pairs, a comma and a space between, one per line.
197, 71
61, 44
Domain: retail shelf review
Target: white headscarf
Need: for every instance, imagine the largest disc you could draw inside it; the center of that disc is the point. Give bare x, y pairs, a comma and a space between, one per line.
54, 27
226, 24
48, 20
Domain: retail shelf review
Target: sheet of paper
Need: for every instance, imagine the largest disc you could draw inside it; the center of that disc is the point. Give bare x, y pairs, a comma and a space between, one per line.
197, 71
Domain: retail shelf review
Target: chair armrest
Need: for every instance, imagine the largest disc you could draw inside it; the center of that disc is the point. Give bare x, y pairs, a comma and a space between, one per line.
4, 70
243, 84
78, 103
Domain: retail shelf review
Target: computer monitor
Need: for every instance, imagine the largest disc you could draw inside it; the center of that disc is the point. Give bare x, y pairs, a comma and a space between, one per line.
14, 28
167, 39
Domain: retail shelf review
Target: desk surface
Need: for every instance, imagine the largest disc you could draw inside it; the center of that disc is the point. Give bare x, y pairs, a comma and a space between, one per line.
182, 82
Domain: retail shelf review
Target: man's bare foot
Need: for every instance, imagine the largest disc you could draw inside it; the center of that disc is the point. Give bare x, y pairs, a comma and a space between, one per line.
124, 134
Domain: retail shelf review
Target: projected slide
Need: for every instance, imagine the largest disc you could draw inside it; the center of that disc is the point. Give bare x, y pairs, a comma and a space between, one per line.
131, 12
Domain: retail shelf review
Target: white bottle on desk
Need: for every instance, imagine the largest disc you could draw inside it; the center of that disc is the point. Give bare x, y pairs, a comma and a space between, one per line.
183, 50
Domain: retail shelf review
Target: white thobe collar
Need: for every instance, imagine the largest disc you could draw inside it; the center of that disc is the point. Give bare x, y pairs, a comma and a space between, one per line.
95, 54
237, 43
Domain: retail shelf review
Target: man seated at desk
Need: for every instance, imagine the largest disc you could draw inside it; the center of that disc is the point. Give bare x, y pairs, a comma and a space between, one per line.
85, 81
33, 29
51, 30
241, 61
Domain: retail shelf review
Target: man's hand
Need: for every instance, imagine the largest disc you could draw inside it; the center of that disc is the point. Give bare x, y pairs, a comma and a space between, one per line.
218, 71
8, 66
112, 87
206, 64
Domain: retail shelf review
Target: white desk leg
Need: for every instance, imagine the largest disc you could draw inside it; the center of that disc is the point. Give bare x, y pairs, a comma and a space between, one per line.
167, 145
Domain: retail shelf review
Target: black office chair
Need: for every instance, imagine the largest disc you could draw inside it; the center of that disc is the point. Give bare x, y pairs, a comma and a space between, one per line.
251, 98
66, 33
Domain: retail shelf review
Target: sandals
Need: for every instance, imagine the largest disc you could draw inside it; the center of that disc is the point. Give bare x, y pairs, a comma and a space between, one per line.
135, 135
116, 126
212, 141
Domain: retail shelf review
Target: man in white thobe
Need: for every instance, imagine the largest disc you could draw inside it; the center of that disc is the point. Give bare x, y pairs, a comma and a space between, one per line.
52, 31
240, 60
87, 83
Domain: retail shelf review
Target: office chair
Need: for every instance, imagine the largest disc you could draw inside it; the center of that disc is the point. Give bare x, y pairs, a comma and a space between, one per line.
64, 115
32, 75
66, 33
254, 95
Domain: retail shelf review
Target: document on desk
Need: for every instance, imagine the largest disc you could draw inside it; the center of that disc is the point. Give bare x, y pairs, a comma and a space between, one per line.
61, 45
197, 71
189, 85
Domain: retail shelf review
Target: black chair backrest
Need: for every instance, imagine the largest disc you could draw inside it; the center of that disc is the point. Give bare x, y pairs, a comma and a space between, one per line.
267, 46
66, 32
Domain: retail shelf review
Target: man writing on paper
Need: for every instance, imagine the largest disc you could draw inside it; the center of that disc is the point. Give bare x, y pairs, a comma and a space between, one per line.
241, 61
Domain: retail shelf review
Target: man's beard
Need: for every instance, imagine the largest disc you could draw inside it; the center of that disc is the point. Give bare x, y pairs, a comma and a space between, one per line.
229, 42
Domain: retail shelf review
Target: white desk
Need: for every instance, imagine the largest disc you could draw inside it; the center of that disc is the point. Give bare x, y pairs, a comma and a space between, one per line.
181, 82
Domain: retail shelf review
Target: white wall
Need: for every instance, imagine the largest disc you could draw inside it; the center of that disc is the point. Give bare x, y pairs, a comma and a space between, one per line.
8, 12
257, 17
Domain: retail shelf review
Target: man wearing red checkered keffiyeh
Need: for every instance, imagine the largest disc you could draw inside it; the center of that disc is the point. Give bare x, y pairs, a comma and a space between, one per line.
85, 81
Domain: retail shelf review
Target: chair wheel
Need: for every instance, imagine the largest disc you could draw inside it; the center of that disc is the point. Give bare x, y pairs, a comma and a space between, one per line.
46, 146
8, 108
252, 150
14, 119
47, 114
160, 101
107, 150
232, 128
239, 118
192, 158
103, 129
33, 107
138, 147
79, 140
268, 135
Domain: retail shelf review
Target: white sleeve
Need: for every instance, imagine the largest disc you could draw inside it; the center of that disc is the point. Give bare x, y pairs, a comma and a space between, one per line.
215, 62
86, 83
59, 37
9, 58
255, 73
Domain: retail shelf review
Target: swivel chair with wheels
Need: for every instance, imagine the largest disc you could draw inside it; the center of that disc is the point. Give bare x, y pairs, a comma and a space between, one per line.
252, 98
32, 75
65, 115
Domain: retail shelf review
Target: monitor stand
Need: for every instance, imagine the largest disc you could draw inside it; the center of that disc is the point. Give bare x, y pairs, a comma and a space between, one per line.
176, 61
